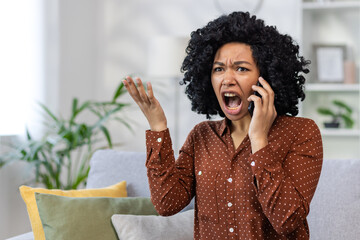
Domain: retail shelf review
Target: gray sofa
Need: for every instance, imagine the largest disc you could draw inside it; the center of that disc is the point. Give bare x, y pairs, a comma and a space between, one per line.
334, 211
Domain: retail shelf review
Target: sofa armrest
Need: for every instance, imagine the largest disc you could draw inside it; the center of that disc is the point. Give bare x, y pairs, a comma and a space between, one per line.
336, 203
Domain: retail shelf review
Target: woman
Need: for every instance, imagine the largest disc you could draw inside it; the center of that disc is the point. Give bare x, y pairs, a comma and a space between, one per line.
254, 173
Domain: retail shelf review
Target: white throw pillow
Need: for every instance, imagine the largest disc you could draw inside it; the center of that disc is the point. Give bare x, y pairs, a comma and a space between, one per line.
135, 227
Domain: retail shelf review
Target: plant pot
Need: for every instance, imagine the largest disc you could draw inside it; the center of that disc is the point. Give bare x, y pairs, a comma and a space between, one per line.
331, 124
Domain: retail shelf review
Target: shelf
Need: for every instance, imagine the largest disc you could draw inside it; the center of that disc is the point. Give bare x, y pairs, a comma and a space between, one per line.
331, 5
340, 132
332, 87
332, 22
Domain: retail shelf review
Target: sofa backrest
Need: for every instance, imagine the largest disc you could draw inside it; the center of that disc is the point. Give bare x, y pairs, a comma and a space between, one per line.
108, 167
334, 210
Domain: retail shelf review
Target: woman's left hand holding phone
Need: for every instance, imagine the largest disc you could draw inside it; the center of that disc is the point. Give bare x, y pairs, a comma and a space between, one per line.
148, 104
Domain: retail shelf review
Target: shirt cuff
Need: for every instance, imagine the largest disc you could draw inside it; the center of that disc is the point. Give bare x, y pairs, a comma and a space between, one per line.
158, 146
264, 159
155, 140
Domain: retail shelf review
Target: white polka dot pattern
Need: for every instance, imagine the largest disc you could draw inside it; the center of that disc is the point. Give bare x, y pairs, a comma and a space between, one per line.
239, 195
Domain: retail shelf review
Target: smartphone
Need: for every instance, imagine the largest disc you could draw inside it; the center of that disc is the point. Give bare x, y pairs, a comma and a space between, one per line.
251, 104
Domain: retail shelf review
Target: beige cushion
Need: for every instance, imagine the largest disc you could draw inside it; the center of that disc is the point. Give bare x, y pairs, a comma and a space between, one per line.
177, 227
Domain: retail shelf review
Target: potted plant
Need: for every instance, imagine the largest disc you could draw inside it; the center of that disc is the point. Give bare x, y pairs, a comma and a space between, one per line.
343, 114
61, 157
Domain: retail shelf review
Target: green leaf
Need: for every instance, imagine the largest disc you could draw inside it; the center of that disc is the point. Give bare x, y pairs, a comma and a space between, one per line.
76, 138
83, 106
326, 111
95, 112
107, 135
127, 125
119, 91
76, 110
49, 112
28, 136
74, 106
46, 181
341, 104
123, 104
110, 104
81, 178
34, 150
106, 117
83, 131
349, 122
68, 136
2, 162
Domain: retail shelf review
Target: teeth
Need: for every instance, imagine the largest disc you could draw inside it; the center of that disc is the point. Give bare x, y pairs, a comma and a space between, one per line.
229, 95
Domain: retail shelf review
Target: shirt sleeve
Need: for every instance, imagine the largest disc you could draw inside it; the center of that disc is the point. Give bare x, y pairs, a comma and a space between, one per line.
285, 187
171, 182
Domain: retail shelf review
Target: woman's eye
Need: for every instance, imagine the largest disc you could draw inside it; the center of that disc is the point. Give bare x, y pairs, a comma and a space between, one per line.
217, 69
242, 69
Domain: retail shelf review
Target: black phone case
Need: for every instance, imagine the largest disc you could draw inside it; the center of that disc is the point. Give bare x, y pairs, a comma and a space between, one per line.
251, 104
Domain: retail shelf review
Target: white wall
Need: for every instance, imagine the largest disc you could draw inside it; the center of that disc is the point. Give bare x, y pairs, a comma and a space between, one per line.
103, 41
100, 41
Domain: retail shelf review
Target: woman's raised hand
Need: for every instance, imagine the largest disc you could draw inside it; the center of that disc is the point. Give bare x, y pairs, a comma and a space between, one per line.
148, 104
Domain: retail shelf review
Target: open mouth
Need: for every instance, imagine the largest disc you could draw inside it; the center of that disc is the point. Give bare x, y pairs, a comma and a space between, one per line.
232, 101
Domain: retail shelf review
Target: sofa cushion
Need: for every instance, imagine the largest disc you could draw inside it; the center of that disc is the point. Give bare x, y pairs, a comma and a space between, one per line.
336, 203
86, 218
28, 195
179, 226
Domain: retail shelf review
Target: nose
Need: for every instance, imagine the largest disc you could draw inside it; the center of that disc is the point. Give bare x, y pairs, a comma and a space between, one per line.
229, 78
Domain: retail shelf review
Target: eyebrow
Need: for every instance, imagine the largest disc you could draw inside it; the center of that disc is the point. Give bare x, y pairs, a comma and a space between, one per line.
235, 63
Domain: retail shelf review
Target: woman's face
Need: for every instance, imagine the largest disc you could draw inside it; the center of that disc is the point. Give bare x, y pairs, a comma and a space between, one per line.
234, 72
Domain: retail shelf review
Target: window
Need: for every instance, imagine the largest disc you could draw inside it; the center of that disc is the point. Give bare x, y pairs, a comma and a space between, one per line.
21, 63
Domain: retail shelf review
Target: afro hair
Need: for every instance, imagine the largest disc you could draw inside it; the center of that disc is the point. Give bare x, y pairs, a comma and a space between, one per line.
276, 56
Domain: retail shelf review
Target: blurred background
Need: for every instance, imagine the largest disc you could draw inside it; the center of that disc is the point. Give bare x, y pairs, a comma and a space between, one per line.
52, 51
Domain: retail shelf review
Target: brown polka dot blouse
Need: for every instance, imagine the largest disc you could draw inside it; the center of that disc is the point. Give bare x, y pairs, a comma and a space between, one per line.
239, 195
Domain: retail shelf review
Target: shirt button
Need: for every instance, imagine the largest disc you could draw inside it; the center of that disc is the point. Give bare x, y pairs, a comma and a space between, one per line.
200, 172
252, 163
159, 140
229, 204
231, 230
229, 179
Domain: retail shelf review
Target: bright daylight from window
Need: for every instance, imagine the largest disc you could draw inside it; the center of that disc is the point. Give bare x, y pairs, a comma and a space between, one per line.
20, 63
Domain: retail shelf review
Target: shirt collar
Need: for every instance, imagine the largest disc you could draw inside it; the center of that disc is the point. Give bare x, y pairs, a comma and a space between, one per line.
225, 124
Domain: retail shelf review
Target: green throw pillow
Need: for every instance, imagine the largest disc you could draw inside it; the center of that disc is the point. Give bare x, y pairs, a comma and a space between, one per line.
86, 217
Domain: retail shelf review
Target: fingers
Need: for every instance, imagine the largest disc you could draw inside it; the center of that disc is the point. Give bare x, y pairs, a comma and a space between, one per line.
257, 100
148, 104
270, 93
270, 97
131, 88
266, 92
151, 93
138, 92
265, 103
142, 91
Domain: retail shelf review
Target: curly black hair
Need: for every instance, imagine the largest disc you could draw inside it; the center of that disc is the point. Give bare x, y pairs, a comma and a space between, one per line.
276, 56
